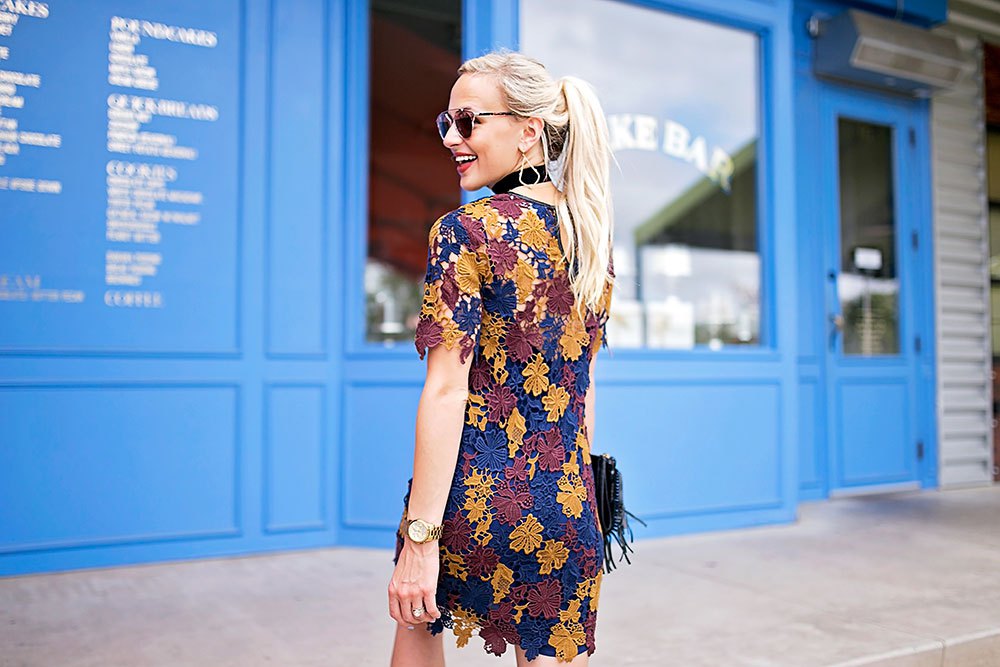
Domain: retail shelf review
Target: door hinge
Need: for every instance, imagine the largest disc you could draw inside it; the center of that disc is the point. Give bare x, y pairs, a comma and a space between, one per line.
915, 240
920, 450
913, 137
917, 344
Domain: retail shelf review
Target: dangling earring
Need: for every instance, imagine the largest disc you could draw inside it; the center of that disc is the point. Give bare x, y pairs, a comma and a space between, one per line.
521, 170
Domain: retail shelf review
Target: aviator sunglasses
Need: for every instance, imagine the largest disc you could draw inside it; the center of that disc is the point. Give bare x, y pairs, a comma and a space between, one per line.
464, 120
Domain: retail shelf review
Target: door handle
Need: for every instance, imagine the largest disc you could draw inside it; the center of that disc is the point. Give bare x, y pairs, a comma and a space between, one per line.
837, 321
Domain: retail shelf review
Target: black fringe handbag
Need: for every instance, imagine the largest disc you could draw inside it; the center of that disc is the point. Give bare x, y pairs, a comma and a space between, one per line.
611, 508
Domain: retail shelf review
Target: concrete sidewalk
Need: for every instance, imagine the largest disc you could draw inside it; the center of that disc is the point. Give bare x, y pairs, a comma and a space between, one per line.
898, 580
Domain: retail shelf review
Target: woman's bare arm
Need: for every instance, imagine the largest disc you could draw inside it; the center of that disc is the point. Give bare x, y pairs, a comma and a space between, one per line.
440, 417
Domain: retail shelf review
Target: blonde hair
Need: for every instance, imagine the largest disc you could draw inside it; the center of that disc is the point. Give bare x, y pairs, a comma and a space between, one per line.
577, 155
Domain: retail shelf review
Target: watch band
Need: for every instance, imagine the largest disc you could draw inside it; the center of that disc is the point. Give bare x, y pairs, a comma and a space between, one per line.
433, 532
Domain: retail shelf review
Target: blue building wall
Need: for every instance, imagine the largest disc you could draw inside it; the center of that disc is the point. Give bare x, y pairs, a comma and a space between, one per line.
247, 413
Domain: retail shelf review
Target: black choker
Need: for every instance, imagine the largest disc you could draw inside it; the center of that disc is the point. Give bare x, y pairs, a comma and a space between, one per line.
530, 176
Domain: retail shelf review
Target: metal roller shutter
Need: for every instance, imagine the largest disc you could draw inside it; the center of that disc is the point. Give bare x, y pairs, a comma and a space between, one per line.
961, 258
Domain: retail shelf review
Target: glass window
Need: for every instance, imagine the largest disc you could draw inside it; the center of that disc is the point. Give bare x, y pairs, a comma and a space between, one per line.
868, 284
415, 53
681, 102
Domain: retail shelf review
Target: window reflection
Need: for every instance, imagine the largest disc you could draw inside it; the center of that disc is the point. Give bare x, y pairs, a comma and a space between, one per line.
868, 284
415, 52
681, 100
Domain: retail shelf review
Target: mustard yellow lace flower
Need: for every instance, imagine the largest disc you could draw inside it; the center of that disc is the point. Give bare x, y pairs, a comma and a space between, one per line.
527, 536
516, 428
465, 623
467, 273
454, 565
477, 412
551, 556
536, 376
476, 509
555, 402
583, 443
501, 580
566, 638
524, 278
574, 338
571, 495
480, 485
499, 370
595, 590
533, 230
571, 613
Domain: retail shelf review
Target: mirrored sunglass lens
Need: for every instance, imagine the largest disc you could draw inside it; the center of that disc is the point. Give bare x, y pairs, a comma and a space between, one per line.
463, 121
443, 123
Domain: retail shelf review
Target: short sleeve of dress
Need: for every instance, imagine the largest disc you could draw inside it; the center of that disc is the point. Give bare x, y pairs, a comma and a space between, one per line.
451, 309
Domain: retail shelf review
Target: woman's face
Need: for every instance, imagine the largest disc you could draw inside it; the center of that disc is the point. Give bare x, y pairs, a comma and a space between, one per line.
494, 141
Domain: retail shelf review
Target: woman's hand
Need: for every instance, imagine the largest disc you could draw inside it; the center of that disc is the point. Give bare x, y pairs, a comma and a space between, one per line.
414, 583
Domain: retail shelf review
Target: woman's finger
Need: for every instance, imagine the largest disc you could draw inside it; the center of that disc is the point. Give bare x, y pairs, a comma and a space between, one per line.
395, 610
408, 605
431, 612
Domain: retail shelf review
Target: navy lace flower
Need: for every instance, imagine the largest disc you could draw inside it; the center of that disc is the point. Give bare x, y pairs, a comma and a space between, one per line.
491, 450
502, 297
468, 315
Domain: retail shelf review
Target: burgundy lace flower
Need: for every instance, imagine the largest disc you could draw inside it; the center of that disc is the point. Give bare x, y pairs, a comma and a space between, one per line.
479, 377
560, 297
509, 503
517, 470
474, 229
519, 593
449, 288
571, 538
493, 639
428, 335
527, 316
551, 453
500, 401
503, 255
456, 534
568, 380
522, 342
482, 561
545, 599
532, 443
507, 205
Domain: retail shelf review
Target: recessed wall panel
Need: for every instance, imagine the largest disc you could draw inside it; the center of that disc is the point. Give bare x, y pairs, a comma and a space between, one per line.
379, 428
86, 465
693, 448
295, 464
811, 435
875, 437
119, 168
296, 250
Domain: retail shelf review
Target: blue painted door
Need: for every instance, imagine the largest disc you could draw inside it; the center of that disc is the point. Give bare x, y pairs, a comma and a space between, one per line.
871, 240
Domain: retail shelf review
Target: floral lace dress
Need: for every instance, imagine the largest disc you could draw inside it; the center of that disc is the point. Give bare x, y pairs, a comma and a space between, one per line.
522, 551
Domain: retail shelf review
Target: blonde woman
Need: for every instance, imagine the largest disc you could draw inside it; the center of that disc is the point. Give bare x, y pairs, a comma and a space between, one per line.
500, 536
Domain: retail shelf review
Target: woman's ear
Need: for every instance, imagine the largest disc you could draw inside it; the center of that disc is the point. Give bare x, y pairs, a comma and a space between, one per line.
531, 134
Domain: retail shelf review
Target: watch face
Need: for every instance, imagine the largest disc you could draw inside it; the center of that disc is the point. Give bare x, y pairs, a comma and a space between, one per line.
418, 531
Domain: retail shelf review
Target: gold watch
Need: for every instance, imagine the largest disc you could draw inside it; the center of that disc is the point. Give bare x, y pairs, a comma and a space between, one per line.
420, 531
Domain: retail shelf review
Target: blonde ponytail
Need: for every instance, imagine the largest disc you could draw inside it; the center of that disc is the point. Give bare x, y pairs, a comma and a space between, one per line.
584, 208
577, 154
